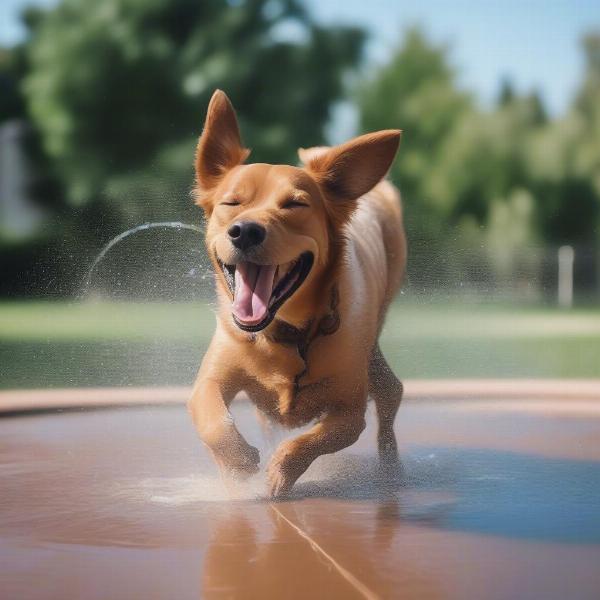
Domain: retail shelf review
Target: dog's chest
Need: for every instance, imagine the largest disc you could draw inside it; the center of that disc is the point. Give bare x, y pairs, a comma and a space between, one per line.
284, 386
288, 374
290, 404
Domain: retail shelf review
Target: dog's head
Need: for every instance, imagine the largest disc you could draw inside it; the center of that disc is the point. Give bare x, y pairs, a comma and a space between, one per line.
273, 230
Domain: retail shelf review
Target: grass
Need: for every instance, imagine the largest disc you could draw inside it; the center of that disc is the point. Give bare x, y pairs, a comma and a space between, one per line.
56, 344
103, 321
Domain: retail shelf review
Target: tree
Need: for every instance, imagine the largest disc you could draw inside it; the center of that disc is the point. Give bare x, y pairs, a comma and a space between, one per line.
464, 168
11, 101
463, 171
484, 159
415, 92
564, 162
118, 90
587, 107
507, 92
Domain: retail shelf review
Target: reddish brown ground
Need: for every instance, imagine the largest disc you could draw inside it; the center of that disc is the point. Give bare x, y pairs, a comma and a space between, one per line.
500, 498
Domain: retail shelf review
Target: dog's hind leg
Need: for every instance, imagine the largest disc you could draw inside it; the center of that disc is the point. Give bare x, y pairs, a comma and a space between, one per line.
386, 390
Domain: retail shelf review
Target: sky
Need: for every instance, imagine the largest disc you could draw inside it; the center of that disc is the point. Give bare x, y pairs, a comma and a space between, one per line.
534, 43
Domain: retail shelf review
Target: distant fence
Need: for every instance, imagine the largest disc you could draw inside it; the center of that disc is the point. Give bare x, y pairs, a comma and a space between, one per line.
564, 275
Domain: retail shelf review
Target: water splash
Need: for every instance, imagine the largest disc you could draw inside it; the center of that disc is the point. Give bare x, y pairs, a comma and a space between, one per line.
119, 238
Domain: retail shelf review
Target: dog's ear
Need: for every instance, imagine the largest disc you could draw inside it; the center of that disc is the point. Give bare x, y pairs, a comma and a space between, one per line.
307, 155
220, 146
350, 170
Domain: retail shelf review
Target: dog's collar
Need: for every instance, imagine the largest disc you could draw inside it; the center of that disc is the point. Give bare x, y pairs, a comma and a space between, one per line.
330, 322
301, 338
289, 335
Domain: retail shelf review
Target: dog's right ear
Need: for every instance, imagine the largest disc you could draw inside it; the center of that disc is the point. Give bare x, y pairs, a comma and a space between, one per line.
220, 146
350, 170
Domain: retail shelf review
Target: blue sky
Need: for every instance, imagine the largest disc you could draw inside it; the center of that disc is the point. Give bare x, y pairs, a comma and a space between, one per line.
533, 42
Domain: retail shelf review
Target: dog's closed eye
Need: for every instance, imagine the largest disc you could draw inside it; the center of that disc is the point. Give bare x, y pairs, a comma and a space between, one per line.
293, 204
230, 203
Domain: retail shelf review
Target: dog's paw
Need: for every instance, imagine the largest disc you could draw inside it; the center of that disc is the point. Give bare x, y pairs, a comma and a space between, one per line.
279, 483
246, 463
283, 471
238, 459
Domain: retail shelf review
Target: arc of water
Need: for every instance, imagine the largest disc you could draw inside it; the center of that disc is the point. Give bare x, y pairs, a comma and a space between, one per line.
132, 231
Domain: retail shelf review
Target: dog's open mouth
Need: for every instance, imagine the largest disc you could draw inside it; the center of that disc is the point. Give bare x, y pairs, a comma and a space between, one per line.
260, 290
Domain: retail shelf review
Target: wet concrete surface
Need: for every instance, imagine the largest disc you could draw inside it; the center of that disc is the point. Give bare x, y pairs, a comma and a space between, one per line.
497, 499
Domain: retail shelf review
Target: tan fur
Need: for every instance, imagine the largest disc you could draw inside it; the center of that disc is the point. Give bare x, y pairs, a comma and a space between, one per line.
319, 359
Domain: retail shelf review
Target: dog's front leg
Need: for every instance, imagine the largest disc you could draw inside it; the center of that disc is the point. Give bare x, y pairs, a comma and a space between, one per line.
337, 430
214, 423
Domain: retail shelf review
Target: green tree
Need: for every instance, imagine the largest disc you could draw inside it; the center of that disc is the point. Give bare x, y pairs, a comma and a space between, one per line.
463, 171
507, 92
11, 100
484, 159
118, 90
415, 91
564, 162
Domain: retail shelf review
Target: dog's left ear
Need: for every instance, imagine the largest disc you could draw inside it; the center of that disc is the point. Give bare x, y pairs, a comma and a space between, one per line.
220, 146
350, 170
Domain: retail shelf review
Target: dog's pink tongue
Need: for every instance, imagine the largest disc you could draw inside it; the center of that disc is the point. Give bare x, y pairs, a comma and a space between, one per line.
253, 287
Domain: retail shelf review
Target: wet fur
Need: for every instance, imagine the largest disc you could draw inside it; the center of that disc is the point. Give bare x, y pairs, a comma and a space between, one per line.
319, 360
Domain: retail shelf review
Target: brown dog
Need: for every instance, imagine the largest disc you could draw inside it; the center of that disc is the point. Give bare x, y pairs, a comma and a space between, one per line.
307, 261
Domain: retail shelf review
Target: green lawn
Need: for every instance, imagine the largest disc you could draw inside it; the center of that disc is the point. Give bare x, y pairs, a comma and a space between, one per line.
54, 344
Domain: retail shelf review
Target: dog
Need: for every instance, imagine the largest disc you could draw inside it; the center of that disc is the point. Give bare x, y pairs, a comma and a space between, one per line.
307, 259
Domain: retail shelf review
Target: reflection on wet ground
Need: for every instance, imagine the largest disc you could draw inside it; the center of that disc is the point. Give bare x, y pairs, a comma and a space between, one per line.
127, 504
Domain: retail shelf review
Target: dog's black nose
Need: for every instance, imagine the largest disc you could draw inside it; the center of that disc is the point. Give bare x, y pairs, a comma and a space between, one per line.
245, 234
